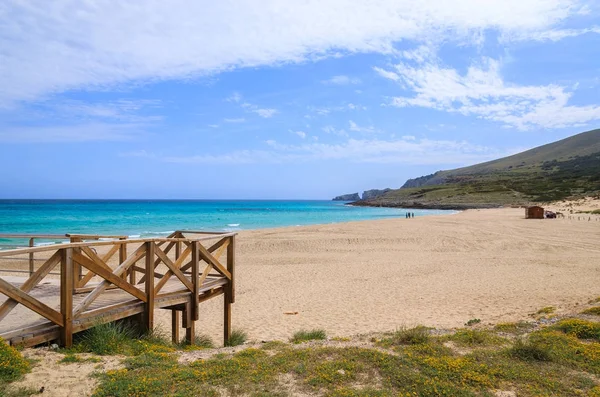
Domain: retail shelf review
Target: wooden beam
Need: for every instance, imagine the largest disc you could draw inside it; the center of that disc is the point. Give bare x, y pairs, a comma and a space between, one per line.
32, 282
31, 258
30, 302
149, 311
137, 255
109, 276
172, 269
175, 326
66, 297
177, 264
195, 276
231, 269
207, 256
20, 251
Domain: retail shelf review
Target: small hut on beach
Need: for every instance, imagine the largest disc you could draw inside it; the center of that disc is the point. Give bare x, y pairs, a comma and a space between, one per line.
534, 212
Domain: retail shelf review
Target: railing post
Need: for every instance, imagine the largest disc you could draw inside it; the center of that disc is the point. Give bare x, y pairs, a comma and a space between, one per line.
149, 314
229, 296
195, 275
31, 267
66, 297
123, 258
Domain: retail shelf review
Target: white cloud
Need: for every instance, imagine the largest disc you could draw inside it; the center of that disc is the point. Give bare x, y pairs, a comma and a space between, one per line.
387, 74
213, 125
49, 47
552, 35
89, 132
334, 131
138, 153
409, 137
342, 80
357, 128
123, 110
237, 120
265, 113
483, 93
301, 134
401, 151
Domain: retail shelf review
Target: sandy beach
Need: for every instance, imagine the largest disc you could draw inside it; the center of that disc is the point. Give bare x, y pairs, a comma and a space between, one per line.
375, 276
441, 271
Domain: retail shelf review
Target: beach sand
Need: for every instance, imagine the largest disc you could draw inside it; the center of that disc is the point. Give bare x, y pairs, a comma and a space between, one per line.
361, 277
375, 276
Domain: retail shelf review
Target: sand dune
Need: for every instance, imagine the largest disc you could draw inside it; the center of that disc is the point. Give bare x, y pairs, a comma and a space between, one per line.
369, 276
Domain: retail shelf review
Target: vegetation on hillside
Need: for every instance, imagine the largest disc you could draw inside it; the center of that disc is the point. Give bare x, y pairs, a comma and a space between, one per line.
563, 169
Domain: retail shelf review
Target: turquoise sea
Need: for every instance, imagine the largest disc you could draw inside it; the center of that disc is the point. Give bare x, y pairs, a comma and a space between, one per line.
146, 218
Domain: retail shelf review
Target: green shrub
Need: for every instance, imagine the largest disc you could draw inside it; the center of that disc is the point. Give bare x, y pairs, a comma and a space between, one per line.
105, 339
472, 321
472, 337
305, 336
411, 336
238, 337
581, 328
595, 311
529, 351
12, 363
546, 310
514, 328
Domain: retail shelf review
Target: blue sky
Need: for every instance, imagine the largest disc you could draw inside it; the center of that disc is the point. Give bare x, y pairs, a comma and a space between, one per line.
280, 99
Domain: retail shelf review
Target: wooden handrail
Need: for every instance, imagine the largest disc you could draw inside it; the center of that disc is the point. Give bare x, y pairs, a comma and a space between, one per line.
189, 281
101, 243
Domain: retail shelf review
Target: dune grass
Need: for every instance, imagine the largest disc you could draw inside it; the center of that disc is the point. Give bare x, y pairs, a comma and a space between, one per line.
237, 338
305, 336
594, 311
561, 360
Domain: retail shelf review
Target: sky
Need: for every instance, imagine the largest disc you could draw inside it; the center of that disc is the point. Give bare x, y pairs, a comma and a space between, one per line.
280, 99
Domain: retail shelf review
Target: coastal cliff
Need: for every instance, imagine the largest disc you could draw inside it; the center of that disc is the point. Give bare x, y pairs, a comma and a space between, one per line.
569, 168
347, 197
374, 193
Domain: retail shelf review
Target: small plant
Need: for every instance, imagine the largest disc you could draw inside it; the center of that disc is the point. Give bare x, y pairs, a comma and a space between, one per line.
514, 328
471, 337
70, 358
105, 339
528, 351
201, 341
305, 336
472, 322
12, 363
546, 310
594, 311
411, 336
238, 337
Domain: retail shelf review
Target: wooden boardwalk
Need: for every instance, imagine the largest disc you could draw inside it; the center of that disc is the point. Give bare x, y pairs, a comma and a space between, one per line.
104, 281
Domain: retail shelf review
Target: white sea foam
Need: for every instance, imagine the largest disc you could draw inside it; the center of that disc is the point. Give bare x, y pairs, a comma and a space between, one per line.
135, 236
233, 224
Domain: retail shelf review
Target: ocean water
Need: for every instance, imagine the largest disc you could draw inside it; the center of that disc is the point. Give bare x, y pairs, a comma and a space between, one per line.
147, 218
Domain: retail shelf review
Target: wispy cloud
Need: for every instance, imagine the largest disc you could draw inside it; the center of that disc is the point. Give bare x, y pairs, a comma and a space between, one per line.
103, 44
407, 150
90, 132
301, 134
342, 80
367, 130
482, 92
236, 120
265, 113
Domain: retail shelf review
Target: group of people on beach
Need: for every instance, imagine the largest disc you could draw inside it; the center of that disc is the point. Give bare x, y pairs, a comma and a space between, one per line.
410, 215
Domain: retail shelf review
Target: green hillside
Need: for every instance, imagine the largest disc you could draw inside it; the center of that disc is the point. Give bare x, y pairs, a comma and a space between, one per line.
556, 171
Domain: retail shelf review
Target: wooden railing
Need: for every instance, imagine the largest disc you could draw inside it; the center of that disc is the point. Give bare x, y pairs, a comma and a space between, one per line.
30, 238
88, 270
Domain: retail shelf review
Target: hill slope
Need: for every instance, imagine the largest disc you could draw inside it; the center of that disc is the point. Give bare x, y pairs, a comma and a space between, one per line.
569, 167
